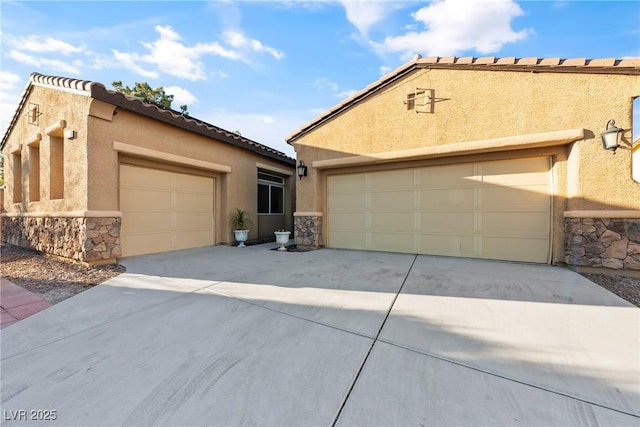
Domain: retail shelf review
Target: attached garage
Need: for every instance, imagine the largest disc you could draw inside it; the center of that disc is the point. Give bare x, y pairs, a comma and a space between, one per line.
164, 210
494, 210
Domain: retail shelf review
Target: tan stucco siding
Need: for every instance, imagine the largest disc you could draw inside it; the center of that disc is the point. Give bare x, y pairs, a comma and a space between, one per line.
169, 147
478, 105
57, 111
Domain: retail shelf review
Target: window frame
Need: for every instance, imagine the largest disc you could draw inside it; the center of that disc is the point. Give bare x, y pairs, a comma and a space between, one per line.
271, 181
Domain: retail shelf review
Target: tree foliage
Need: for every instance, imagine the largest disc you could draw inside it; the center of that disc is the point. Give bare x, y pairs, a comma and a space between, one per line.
142, 90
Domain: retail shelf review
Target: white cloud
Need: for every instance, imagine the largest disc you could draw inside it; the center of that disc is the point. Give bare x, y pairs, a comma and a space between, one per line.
35, 43
174, 58
323, 83
345, 94
454, 26
239, 41
168, 54
385, 70
72, 67
181, 96
364, 14
10, 91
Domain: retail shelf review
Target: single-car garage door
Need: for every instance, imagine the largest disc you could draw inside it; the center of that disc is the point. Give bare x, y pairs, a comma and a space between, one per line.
494, 210
163, 210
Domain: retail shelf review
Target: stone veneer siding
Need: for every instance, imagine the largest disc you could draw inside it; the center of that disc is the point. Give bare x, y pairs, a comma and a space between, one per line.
600, 242
89, 240
307, 231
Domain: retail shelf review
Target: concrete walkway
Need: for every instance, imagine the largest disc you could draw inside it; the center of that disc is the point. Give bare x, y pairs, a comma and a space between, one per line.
228, 336
17, 303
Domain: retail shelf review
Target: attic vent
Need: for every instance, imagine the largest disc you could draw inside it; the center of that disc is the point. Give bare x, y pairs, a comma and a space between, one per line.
421, 100
33, 113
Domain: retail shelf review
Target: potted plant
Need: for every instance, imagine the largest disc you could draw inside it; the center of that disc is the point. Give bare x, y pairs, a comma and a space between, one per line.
240, 223
282, 238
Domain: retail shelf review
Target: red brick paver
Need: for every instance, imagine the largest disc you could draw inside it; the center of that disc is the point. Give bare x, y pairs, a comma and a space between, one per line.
17, 303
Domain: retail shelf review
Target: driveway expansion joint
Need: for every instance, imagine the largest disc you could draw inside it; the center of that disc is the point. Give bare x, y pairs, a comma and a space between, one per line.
364, 362
504, 377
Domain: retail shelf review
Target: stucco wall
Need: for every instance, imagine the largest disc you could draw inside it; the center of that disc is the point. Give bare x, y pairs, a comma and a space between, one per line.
91, 173
478, 105
234, 189
475, 105
55, 108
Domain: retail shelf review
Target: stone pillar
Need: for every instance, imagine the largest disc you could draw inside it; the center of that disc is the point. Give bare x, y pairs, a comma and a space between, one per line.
603, 242
307, 230
85, 239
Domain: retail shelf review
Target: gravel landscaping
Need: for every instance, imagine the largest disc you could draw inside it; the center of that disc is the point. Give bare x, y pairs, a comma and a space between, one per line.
53, 279
56, 280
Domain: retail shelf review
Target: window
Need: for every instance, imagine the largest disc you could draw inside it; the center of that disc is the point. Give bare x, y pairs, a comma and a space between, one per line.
16, 159
34, 172
635, 135
415, 98
56, 165
270, 194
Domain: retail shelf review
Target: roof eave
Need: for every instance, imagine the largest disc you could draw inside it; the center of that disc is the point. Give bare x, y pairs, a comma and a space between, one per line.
188, 123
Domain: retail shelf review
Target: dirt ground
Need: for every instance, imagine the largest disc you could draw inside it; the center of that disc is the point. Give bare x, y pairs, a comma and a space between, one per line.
53, 279
56, 280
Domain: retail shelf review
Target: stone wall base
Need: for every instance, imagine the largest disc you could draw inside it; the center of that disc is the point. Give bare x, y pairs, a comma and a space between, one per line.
603, 243
89, 240
307, 231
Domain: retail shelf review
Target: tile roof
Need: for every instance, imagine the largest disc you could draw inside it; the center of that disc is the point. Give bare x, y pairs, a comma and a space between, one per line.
489, 63
99, 91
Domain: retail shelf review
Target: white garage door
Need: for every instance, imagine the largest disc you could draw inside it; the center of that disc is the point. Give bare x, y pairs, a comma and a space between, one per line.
163, 211
494, 210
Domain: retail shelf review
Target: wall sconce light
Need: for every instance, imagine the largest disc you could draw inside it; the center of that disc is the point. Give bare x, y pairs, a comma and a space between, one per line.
611, 136
302, 169
70, 134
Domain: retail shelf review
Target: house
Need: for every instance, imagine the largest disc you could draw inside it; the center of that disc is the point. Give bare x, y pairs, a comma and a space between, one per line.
494, 158
93, 175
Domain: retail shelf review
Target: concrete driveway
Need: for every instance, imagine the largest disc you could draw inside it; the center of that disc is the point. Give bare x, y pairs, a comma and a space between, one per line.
228, 336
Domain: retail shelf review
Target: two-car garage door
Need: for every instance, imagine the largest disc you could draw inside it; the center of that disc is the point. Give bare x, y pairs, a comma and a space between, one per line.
164, 210
494, 210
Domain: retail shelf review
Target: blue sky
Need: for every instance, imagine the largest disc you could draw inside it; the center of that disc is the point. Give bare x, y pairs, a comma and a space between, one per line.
265, 68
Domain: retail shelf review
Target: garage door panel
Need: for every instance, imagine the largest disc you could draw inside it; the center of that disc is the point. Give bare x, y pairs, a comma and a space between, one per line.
448, 245
484, 210
518, 223
391, 200
348, 239
138, 245
393, 242
164, 210
447, 222
201, 221
529, 197
347, 202
399, 221
348, 221
393, 179
447, 198
515, 249
516, 172
193, 184
344, 183
136, 199
193, 201
144, 178
448, 176
146, 222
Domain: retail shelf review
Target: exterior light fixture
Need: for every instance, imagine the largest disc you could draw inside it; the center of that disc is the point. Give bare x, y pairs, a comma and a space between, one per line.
611, 136
302, 169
